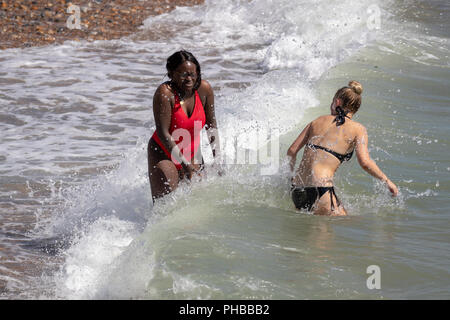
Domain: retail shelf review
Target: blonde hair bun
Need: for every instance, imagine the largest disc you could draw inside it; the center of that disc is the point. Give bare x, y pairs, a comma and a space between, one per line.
356, 86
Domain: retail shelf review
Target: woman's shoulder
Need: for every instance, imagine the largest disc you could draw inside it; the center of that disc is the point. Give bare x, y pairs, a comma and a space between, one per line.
324, 120
359, 128
164, 89
357, 125
321, 119
205, 87
356, 129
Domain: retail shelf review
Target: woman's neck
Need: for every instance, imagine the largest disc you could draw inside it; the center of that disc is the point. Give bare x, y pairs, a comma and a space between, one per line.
183, 95
348, 114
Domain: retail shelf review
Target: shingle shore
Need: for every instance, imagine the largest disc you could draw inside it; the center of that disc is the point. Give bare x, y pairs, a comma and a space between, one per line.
25, 23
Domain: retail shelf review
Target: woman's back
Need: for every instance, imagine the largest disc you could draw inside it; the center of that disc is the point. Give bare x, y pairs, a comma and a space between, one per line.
329, 140
318, 166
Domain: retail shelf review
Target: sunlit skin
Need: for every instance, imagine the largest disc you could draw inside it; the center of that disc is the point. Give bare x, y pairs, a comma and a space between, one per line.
317, 167
164, 176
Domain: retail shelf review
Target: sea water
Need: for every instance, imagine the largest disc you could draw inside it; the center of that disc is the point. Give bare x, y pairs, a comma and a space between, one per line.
77, 220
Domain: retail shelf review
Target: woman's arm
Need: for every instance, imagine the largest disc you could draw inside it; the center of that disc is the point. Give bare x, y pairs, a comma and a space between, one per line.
162, 111
364, 160
299, 143
207, 94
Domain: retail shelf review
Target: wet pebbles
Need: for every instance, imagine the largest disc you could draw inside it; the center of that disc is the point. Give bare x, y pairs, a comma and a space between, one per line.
25, 23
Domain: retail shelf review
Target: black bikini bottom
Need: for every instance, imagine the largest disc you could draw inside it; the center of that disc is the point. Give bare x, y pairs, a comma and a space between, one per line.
305, 197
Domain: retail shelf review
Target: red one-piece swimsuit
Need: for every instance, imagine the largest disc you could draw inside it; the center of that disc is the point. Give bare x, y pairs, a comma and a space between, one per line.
185, 130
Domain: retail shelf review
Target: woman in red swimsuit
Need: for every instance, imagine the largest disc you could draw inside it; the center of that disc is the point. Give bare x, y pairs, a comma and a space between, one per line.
181, 107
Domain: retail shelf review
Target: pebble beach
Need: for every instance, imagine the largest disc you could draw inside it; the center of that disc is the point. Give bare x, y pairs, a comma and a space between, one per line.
42, 22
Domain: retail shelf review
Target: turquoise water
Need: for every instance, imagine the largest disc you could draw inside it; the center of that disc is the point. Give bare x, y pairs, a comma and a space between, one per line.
75, 199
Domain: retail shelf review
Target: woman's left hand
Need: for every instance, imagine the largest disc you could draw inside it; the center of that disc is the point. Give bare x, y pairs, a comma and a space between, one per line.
392, 188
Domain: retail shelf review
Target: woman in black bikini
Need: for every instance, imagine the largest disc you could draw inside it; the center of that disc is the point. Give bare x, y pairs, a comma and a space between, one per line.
331, 140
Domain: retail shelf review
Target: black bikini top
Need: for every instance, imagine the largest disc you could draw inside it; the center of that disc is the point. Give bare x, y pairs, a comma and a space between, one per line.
341, 157
340, 120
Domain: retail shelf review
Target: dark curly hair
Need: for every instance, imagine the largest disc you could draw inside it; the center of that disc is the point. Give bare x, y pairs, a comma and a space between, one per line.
178, 58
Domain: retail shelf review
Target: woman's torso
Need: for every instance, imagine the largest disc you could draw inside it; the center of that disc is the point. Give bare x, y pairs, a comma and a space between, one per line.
185, 126
317, 167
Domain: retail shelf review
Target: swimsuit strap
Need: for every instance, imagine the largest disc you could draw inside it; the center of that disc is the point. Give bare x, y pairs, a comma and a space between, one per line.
331, 198
338, 202
341, 157
341, 115
323, 190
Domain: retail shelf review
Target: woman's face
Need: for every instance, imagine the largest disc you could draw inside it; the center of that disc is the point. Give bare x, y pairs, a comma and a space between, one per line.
185, 76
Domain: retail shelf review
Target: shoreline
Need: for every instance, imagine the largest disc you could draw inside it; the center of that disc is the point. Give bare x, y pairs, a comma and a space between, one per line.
42, 22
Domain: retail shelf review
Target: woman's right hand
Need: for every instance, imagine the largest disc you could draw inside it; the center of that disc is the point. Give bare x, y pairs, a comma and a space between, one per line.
392, 187
189, 170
